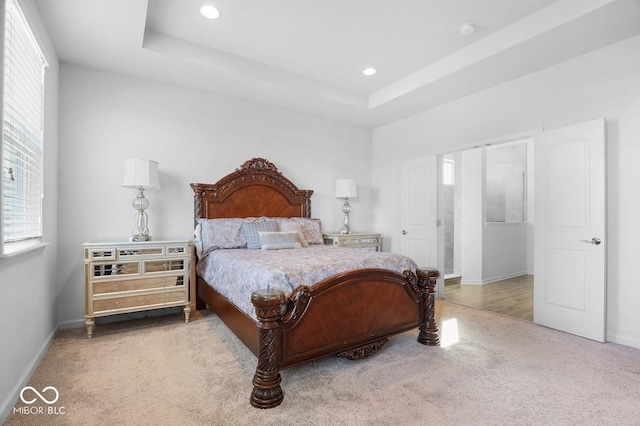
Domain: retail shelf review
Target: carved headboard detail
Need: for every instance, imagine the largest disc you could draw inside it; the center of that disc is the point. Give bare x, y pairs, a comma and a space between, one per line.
255, 189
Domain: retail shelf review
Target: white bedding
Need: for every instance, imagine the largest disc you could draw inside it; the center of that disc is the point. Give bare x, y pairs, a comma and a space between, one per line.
236, 273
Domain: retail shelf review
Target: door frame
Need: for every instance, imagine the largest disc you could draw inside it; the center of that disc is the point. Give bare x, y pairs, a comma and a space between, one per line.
514, 137
529, 134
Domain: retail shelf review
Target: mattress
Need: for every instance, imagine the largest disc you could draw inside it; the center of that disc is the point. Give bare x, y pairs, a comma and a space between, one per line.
236, 273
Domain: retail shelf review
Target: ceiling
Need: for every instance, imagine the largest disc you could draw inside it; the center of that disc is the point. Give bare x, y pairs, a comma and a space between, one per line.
309, 55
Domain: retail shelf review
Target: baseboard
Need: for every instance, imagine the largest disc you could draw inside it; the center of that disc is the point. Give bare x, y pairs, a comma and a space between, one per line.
452, 279
71, 324
492, 279
625, 341
8, 404
472, 282
79, 323
503, 277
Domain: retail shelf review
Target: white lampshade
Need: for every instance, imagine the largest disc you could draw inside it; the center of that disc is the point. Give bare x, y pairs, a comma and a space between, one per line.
139, 173
346, 188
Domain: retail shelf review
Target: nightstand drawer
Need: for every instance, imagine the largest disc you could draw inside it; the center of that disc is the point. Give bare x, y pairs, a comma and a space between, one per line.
354, 240
109, 270
134, 253
137, 284
359, 242
100, 254
155, 266
177, 251
138, 302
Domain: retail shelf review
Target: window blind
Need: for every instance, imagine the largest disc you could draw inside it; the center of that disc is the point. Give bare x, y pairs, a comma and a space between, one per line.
22, 130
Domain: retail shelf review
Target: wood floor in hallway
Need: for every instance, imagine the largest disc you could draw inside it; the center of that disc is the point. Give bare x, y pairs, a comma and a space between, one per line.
512, 297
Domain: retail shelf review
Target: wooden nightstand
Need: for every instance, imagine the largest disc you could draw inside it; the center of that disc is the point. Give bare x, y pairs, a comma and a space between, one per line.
372, 242
122, 277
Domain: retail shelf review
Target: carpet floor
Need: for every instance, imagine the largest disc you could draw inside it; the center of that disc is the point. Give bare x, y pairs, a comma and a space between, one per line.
491, 370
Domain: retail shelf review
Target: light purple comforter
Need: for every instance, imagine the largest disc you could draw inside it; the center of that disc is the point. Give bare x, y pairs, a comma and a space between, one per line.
236, 273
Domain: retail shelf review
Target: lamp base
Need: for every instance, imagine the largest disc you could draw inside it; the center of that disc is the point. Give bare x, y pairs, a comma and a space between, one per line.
140, 230
346, 209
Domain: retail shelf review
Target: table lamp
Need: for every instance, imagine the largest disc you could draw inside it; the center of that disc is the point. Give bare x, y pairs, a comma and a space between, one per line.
140, 174
346, 188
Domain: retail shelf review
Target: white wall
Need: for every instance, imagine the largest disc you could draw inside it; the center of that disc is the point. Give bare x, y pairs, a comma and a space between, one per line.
195, 136
28, 289
504, 251
604, 83
472, 215
531, 220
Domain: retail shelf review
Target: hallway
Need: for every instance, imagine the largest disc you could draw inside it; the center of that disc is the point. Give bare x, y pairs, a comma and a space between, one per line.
512, 297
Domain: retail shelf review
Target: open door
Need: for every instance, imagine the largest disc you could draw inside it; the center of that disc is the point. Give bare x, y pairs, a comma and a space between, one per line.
419, 207
570, 244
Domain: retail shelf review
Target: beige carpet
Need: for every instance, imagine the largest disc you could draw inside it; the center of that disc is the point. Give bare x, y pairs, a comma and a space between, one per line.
503, 371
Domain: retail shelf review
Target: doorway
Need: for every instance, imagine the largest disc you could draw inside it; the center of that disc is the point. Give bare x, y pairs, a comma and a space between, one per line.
486, 200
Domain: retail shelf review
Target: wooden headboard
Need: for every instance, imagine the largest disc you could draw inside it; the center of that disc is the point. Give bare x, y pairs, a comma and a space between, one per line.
255, 189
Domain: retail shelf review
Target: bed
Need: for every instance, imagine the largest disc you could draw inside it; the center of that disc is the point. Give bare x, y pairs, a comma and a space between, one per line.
349, 314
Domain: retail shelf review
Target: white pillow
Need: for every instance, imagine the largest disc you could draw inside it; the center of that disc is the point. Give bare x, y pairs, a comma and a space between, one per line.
291, 226
311, 228
279, 240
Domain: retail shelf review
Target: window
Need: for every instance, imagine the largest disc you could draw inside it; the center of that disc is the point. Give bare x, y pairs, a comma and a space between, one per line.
22, 134
448, 172
506, 190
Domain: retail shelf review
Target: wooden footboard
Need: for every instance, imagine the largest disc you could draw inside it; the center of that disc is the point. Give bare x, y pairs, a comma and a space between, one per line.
350, 315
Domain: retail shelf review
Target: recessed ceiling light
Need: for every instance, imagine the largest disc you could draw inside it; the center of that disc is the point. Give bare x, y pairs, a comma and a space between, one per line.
467, 29
210, 12
369, 71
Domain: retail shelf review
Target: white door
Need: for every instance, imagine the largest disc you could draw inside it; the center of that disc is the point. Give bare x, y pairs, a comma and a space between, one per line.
570, 244
419, 207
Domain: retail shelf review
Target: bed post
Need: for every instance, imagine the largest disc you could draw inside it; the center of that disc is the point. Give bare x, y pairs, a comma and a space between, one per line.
427, 279
267, 392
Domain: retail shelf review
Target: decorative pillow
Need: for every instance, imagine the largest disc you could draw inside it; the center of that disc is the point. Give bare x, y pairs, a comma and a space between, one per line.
221, 234
289, 225
312, 230
251, 232
279, 240
310, 227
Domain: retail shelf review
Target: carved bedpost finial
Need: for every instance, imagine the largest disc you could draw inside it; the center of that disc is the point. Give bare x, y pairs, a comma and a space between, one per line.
267, 392
427, 279
259, 164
